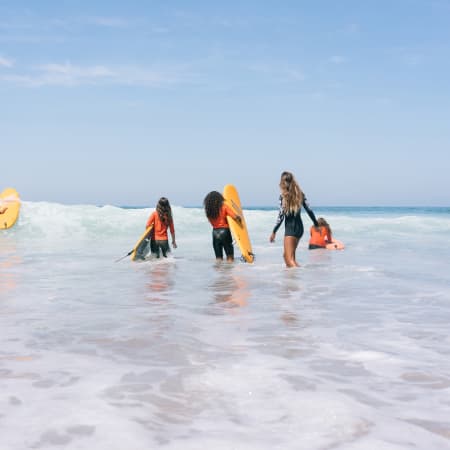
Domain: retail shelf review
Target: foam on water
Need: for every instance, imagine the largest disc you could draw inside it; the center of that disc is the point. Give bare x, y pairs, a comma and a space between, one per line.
350, 351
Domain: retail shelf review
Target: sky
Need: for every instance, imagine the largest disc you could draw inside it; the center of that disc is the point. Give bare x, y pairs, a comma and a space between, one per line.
114, 102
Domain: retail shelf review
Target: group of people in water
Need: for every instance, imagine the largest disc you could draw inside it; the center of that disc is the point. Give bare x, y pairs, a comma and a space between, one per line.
292, 199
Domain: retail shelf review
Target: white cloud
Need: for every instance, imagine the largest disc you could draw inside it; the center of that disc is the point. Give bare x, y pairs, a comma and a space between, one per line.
413, 59
160, 30
283, 73
6, 62
63, 75
67, 74
295, 74
112, 22
384, 101
337, 59
318, 96
352, 28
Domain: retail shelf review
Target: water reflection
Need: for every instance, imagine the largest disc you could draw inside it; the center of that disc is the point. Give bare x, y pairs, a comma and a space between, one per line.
9, 261
161, 281
228, 287
290, 294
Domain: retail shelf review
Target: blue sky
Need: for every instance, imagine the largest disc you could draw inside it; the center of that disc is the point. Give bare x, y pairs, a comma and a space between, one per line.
123, 102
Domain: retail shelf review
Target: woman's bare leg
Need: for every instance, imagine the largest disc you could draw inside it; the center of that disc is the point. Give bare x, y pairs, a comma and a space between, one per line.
290, 245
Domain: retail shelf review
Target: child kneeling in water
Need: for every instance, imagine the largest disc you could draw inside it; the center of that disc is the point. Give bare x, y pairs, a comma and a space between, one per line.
322, 237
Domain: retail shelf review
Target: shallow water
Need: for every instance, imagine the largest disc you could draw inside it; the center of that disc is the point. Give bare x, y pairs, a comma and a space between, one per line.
350, 351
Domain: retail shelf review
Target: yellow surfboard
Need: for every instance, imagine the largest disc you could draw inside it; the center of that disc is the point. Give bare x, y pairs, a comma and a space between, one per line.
142, 247
238, 230
9, 208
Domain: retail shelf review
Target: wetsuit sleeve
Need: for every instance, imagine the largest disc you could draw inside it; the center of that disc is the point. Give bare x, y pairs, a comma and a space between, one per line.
310, 212
280, 217
151, 220
230, 212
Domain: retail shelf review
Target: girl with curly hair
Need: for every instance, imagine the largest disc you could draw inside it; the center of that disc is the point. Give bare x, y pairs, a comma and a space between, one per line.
216, 211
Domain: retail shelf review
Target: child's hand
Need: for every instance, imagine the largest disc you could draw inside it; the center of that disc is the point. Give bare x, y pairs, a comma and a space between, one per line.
174, 244
272, 237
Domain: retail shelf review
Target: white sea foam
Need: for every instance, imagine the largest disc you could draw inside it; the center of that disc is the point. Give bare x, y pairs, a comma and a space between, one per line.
350, 351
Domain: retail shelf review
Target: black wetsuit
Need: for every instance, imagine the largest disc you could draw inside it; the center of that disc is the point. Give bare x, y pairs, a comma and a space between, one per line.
156, 246
222, 240
293, 221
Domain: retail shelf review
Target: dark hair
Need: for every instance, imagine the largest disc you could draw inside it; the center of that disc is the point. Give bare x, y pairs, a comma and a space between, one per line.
212, 203
164, 210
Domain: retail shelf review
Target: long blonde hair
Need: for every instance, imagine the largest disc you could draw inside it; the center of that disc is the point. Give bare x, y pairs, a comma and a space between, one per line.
291, 194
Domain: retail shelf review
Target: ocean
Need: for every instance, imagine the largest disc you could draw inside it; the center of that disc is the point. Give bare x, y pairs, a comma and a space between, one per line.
349, 351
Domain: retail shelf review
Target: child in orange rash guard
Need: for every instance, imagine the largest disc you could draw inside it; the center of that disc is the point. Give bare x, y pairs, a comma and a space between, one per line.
217, 211
320, 234
161, 219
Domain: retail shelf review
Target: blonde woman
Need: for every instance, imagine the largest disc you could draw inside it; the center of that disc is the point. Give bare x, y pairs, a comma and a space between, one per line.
291, 201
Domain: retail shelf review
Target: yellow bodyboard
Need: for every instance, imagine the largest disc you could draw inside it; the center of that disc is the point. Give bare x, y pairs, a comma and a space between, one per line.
9, 208
140, 250
238, 230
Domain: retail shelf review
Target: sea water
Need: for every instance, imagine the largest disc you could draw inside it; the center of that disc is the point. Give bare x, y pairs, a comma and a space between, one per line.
349, 351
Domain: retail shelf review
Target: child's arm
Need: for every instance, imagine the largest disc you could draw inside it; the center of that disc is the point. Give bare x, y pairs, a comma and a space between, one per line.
230, 212
151, 220
172, 232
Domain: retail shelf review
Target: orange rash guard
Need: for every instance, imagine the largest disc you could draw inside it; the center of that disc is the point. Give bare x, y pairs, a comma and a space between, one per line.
319, 236
159, 228
221, 220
